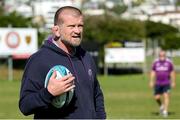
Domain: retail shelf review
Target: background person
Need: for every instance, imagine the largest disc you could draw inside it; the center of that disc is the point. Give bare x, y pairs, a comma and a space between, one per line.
164, 75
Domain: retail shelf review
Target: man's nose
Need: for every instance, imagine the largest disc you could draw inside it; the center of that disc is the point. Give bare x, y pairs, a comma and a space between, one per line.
77, 30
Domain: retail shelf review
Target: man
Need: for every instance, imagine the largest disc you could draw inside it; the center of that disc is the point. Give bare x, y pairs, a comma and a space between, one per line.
64, 49
163, 71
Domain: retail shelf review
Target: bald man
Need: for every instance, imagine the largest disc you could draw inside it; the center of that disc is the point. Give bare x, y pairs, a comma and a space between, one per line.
164, 75
62, 48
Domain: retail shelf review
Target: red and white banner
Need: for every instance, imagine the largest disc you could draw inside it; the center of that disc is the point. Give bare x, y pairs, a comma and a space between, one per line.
18, 42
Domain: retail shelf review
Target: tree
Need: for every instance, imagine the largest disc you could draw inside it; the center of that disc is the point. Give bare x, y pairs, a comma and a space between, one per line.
160, 34
104, 29
158, 30
118, 9
171, 42
16, 20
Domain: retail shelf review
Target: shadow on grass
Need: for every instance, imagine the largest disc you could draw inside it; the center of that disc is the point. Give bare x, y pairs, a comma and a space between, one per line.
157, 113
122, 71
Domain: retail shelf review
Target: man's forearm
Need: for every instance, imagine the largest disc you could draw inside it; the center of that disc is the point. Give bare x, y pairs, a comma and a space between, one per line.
173, 78
151, 81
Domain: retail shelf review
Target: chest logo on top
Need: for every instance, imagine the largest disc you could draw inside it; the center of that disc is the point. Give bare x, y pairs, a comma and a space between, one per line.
89, 72
162, 67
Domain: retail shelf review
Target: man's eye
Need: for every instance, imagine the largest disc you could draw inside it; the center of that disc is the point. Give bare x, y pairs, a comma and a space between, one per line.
81, 26
71, 26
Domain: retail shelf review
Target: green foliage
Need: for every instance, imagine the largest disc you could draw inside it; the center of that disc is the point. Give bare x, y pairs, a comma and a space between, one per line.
1, 11
41, 37
118, 9
137, 2
158, 30
166, 34
177, 2
104, 29
171, 42
107, 28
16, 20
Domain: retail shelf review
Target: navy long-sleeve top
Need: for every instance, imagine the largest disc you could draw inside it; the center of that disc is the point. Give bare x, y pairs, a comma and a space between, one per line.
87, 101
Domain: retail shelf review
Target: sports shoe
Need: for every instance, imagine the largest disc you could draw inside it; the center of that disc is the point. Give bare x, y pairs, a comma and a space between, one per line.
164, 113
161, 109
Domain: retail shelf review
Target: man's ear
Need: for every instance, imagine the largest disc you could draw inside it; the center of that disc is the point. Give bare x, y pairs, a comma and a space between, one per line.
55, 30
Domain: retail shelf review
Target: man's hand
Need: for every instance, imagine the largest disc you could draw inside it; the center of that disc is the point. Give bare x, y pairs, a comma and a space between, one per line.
59, 86
173, 85
173, 79
151, 84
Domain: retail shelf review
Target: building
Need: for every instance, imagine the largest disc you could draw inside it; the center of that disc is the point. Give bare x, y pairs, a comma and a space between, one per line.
43, 9
163, 11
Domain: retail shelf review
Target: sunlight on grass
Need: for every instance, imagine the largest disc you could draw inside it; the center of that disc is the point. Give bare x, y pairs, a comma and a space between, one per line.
126, 96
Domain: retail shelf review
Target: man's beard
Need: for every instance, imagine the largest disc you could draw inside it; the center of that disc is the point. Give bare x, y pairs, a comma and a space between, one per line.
70, 43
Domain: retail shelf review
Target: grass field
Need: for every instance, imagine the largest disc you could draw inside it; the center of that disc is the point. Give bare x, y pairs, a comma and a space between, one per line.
130, 97
126, 96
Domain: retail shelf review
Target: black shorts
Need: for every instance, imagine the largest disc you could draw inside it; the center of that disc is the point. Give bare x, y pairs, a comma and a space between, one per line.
159, 89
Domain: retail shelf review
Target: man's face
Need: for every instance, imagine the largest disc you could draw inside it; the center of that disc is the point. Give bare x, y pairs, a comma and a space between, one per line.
71, 30
162, 55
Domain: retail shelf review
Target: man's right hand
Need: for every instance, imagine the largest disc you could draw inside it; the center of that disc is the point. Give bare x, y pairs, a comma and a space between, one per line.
151, 84
59, 86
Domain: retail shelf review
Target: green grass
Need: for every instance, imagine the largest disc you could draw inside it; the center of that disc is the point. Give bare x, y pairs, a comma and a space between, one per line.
130, 97
9, 95
126, 96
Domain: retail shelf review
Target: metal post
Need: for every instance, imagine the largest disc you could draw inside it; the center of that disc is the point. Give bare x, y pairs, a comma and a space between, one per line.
10, 68
105, 64
105, 69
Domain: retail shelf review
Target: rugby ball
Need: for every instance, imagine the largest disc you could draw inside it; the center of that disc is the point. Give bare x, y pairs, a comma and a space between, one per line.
65, 98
